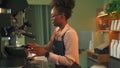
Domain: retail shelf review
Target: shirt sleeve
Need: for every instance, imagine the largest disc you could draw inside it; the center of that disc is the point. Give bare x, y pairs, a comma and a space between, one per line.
71, 46
59, 60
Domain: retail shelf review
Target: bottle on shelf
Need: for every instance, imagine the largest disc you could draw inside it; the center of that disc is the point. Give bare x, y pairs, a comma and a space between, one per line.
91, 45
118, 26
112, 25
115, 25
115, 48
118, 50
112, 47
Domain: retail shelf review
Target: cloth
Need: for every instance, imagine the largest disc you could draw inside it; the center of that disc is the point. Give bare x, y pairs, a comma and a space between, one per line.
70, 40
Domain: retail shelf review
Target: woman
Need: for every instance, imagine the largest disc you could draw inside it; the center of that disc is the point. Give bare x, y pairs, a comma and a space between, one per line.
62, 49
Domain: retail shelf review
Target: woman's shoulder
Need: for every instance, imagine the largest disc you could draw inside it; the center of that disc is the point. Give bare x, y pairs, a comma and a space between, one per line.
71, 30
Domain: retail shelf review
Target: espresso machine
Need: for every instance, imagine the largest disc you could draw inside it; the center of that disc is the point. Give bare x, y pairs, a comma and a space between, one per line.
10, 55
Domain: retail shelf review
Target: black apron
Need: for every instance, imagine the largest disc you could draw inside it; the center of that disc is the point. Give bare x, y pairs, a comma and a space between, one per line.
59, 49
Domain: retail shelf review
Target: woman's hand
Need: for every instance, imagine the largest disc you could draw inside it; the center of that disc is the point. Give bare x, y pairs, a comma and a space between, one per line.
37, 49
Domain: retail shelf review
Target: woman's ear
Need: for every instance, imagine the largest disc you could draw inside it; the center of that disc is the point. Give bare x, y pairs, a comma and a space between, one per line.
62, 15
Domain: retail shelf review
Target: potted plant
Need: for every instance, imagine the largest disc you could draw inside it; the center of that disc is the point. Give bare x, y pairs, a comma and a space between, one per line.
113, 9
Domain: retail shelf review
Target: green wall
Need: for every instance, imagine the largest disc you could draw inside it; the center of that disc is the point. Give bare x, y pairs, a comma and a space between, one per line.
38, 1
83, 14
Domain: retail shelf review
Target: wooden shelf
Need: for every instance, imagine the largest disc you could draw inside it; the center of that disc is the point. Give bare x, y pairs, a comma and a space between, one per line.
105, 23
99, 58
118, 31
104, 31
114, 35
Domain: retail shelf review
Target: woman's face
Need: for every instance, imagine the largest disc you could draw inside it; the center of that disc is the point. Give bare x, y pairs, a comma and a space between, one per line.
56, 18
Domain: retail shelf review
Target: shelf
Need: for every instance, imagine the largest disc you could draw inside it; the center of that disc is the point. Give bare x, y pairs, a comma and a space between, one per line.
117, 59
114, 35
103, 30
103, 15
106, 23
93, 59
115, 31
99, 58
